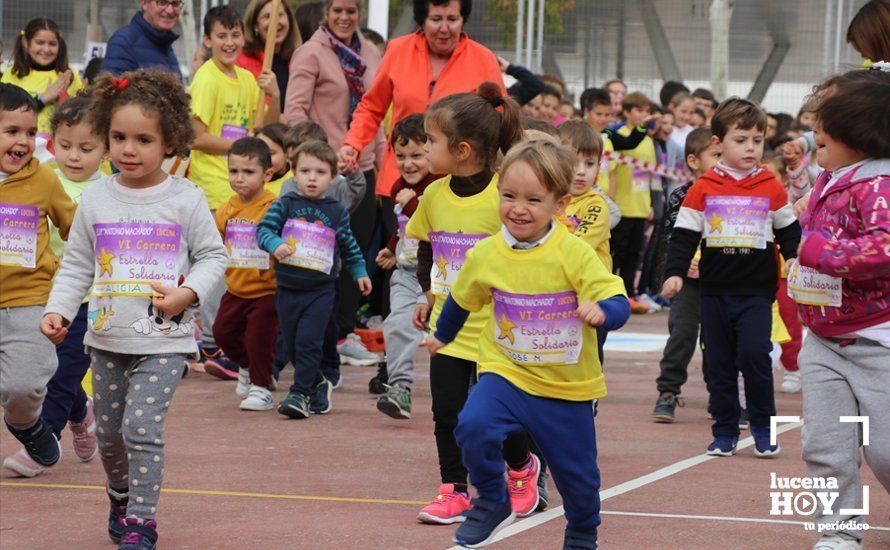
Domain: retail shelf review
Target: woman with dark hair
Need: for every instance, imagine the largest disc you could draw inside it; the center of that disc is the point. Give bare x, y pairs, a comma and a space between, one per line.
287, 39
309, 17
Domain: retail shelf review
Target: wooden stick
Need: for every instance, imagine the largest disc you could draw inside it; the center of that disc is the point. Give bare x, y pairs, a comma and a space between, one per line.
271, 37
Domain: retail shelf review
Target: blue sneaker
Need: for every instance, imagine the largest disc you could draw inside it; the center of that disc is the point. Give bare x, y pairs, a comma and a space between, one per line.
294, 405
723, 445
483, 521
116, 514
575, 540
40, 443
320, 402
762, 447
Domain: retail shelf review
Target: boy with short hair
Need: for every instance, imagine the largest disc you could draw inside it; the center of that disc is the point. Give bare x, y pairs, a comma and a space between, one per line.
742, 212
29, 194
684, 315
550, 100
246, 325
402, 339
309, 236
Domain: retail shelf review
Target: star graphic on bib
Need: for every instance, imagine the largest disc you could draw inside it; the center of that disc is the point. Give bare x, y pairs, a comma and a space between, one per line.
105, 262
716, 223
442, 264
292, 242
506, 326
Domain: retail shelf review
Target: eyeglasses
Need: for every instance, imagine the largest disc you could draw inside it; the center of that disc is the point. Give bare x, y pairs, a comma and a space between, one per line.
175, 4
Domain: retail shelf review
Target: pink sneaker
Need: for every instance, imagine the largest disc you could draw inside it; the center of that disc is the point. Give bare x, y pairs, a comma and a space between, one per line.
448, 507
22, 464
84, 432
523, 487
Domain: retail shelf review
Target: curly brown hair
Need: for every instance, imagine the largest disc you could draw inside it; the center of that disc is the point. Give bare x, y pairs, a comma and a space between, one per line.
156, 91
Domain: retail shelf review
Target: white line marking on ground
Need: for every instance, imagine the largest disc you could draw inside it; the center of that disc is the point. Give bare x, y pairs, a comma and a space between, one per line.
718, 518
627, 486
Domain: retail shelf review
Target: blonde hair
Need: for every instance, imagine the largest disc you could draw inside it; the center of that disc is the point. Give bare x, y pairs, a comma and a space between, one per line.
552, 163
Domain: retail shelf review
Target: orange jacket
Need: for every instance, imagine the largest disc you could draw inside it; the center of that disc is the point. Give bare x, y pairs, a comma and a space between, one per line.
405, 80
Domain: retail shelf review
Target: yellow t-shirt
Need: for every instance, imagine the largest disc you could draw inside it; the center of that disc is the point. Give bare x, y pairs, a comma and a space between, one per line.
226, 105
606, 166
36, 82
274, 186
452, 225
633, 186
589, 216
532, 335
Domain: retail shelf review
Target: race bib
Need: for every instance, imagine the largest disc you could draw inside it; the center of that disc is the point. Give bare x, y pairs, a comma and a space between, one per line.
407, 247
230, 131
18, 234
242, 247
808, 287
313, 245
449, 255
537, 329
132, 255
642, 180
737, 222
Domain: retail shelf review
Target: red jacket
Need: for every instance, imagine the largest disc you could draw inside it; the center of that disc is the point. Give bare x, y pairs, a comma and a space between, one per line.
851, 240
403, 80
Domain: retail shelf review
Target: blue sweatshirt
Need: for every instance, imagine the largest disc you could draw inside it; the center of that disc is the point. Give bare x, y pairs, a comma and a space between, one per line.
319, 258
140, 46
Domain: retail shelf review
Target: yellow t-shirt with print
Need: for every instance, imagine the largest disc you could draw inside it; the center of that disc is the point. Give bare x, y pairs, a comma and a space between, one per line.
589, 216
452, 225
532, 335
226, 105
36, 82
274, 186
606, 166
634, 186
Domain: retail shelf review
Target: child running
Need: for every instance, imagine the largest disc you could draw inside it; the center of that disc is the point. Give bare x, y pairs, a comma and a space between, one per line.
539, 368
146, 242
309, 235
464, 133
742, 213
402, 338
247, 325
842, 285
79, 152
29, 194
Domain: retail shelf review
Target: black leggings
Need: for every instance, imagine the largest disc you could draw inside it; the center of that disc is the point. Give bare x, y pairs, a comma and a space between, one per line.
450, 381
626, 244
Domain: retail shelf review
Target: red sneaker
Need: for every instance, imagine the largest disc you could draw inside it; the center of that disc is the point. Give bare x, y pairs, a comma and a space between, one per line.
448, 507
523, 487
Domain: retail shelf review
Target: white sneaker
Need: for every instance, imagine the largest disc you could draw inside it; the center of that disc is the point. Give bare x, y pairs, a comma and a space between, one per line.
243, 387
649, 302
23, 465
353, 352
837, 542
791, 382
258, 399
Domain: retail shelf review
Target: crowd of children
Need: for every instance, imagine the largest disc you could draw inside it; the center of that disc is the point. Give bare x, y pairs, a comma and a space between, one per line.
570, 219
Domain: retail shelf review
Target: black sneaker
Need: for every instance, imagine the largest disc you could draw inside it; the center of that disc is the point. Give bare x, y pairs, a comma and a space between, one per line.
116, 514
40, 443
483, 521
543, 492
379, 384
320, 402
294, 405
664, 408
743, 419
139, 536
575, 540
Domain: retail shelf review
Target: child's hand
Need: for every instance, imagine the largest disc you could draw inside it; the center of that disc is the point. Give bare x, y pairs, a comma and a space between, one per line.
345, 168
172, 301
591, 313
386, 259
53, 327
432, 345
421, 312
364, 285
267, 81
349, 157
55, 89
672, 286
793, 153
693, 269
404, 196
801, 205
283, 251
503, 64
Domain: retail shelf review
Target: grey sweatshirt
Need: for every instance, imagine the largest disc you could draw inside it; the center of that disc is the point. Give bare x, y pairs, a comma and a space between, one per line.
348, 190
118, 243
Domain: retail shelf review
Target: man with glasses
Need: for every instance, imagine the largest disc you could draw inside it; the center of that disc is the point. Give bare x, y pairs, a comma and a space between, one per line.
147, 42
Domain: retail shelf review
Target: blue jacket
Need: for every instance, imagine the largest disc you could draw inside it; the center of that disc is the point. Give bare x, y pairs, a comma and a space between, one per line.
139, 46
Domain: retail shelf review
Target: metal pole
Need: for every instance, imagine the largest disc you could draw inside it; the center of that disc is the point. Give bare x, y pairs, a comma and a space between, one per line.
838, 23
540, 64
520, 37
847, 48
378, 16
826, 37
530, 33
587, 31
619, 57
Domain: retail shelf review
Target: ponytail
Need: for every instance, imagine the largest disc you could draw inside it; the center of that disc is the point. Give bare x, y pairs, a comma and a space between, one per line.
21, 61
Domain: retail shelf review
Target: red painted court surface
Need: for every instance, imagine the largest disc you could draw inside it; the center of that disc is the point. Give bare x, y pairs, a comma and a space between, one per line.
356, 479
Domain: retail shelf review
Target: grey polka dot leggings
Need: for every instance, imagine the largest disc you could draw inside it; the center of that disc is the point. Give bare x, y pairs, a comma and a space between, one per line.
131, 395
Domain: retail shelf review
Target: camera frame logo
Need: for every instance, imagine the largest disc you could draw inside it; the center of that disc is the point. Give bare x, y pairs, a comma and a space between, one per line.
804, 496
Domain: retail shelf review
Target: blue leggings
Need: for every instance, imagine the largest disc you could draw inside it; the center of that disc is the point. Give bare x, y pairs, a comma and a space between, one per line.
65, 399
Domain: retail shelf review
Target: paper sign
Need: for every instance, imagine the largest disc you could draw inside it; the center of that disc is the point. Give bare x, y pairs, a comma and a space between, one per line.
232, 132
737, 222
809, 287
313, 245
407, 246
18, 234
449, 254
132, 255
538, 329
242, 246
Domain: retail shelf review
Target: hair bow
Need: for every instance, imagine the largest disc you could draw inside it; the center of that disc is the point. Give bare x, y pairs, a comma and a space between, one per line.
120, 83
